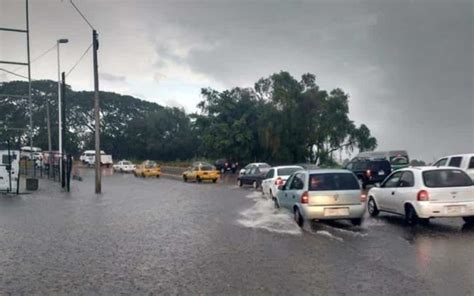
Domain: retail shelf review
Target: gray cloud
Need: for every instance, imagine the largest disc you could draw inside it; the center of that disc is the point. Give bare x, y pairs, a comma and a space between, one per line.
112, 78
408, 65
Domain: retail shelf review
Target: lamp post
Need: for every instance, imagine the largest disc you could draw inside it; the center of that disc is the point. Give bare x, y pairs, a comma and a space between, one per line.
60, 142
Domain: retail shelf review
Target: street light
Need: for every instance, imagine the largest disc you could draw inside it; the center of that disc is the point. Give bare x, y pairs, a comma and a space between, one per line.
60, 41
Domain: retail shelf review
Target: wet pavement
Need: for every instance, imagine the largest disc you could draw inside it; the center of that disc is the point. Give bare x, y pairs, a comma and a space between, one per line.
163, 236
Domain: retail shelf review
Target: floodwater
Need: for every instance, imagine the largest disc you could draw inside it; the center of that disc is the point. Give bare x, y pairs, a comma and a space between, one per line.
163, 236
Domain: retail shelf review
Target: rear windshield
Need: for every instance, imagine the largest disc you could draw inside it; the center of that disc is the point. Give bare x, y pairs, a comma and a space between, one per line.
446, 178
150, 164
287, 171
333, 181
379, 165
397, 160
207, 168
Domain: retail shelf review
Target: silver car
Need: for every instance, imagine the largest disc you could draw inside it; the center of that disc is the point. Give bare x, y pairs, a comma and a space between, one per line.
323, 195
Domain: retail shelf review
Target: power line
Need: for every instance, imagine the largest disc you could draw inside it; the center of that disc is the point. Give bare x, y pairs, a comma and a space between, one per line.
74, 5
38, 57
13, 73
79, 60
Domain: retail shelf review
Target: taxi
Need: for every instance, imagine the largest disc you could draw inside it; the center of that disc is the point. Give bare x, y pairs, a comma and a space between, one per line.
148, 168
201, 171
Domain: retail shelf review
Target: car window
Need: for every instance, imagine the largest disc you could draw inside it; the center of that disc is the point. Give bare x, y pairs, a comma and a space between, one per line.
333, 181
287, 171
393, 180
471, 163
361, 165
207, 168
407, 179
288, 182
195, 168
270, 174
441, 162
376, 166
252, 171
297, 183
455, 161
446, 178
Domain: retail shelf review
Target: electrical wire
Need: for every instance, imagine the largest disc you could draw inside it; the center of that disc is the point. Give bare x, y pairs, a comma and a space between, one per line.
77, 9
13, 73
79, 60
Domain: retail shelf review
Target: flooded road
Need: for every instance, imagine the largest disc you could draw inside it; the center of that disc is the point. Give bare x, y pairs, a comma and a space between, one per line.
163, 236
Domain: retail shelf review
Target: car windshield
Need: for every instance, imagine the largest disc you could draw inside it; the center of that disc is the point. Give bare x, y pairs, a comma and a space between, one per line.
332, 181
126, 163
287, 171
150, 164
207, 168
446, 178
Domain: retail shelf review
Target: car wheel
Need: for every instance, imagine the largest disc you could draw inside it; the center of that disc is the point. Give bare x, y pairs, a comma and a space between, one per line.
469, 220
185, 179
214, 180
372, 208
143, 175
239, 182
356, 222
410, 215
198, 179
298, 218
255, 184
135, 174
157, 176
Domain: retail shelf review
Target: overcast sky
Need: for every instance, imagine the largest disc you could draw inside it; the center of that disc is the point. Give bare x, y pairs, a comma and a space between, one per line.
407, 65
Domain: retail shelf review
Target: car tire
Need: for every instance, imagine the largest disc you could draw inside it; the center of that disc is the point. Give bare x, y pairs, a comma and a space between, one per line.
143, 175
356, 222
468, 220
411, 218
298, 218
214, 180
185, 179
239, 182
135, 174
157, 176
372, 208
198, 179
255, 185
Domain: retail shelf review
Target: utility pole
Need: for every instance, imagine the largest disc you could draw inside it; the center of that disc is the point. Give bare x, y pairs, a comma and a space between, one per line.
48, 118
98, 181
63, 127
30, 104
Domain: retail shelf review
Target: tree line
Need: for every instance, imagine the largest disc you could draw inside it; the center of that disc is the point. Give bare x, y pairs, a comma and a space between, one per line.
279, 120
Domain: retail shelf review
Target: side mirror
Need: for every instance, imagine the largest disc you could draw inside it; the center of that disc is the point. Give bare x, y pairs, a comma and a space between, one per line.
281, 187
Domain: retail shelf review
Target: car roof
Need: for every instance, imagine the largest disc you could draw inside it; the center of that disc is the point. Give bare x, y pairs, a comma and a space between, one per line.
328, 171
429, 168
287, 167
458, 155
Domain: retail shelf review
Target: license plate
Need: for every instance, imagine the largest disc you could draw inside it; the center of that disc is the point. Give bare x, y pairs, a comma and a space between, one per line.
453, 209
336, 212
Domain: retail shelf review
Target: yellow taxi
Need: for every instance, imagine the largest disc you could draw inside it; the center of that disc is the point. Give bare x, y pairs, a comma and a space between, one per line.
201, 171
148, 168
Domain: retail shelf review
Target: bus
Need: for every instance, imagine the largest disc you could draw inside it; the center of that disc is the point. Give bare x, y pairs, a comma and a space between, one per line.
398, 158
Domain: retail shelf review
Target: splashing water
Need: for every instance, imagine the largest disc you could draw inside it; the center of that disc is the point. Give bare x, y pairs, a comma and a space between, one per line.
263, 215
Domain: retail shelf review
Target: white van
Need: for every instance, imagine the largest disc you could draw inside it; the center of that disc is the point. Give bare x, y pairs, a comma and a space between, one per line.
88, 158
462, 161
26, 152
9, 170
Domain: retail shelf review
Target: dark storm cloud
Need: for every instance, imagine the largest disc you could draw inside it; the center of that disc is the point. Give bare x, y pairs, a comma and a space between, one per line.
407, 65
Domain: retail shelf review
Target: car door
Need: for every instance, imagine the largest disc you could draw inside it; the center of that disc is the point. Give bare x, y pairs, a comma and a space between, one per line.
283, 194
293, 193
405, 190
248, 177
388, 191
441, 162
267, 181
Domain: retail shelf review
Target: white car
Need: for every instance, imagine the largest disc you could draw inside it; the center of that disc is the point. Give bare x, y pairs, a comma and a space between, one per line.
421, 193
124, 166
275, 177
462, 161
247, 168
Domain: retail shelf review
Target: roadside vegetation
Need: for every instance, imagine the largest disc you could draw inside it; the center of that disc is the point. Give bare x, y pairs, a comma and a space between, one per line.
279, 120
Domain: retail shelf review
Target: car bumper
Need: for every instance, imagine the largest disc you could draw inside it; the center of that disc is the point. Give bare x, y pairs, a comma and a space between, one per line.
440, 210
321, 213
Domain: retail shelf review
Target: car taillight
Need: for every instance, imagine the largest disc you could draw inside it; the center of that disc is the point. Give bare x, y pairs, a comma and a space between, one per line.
279, 181
304, 198
423, 196
363, 197
368, 173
